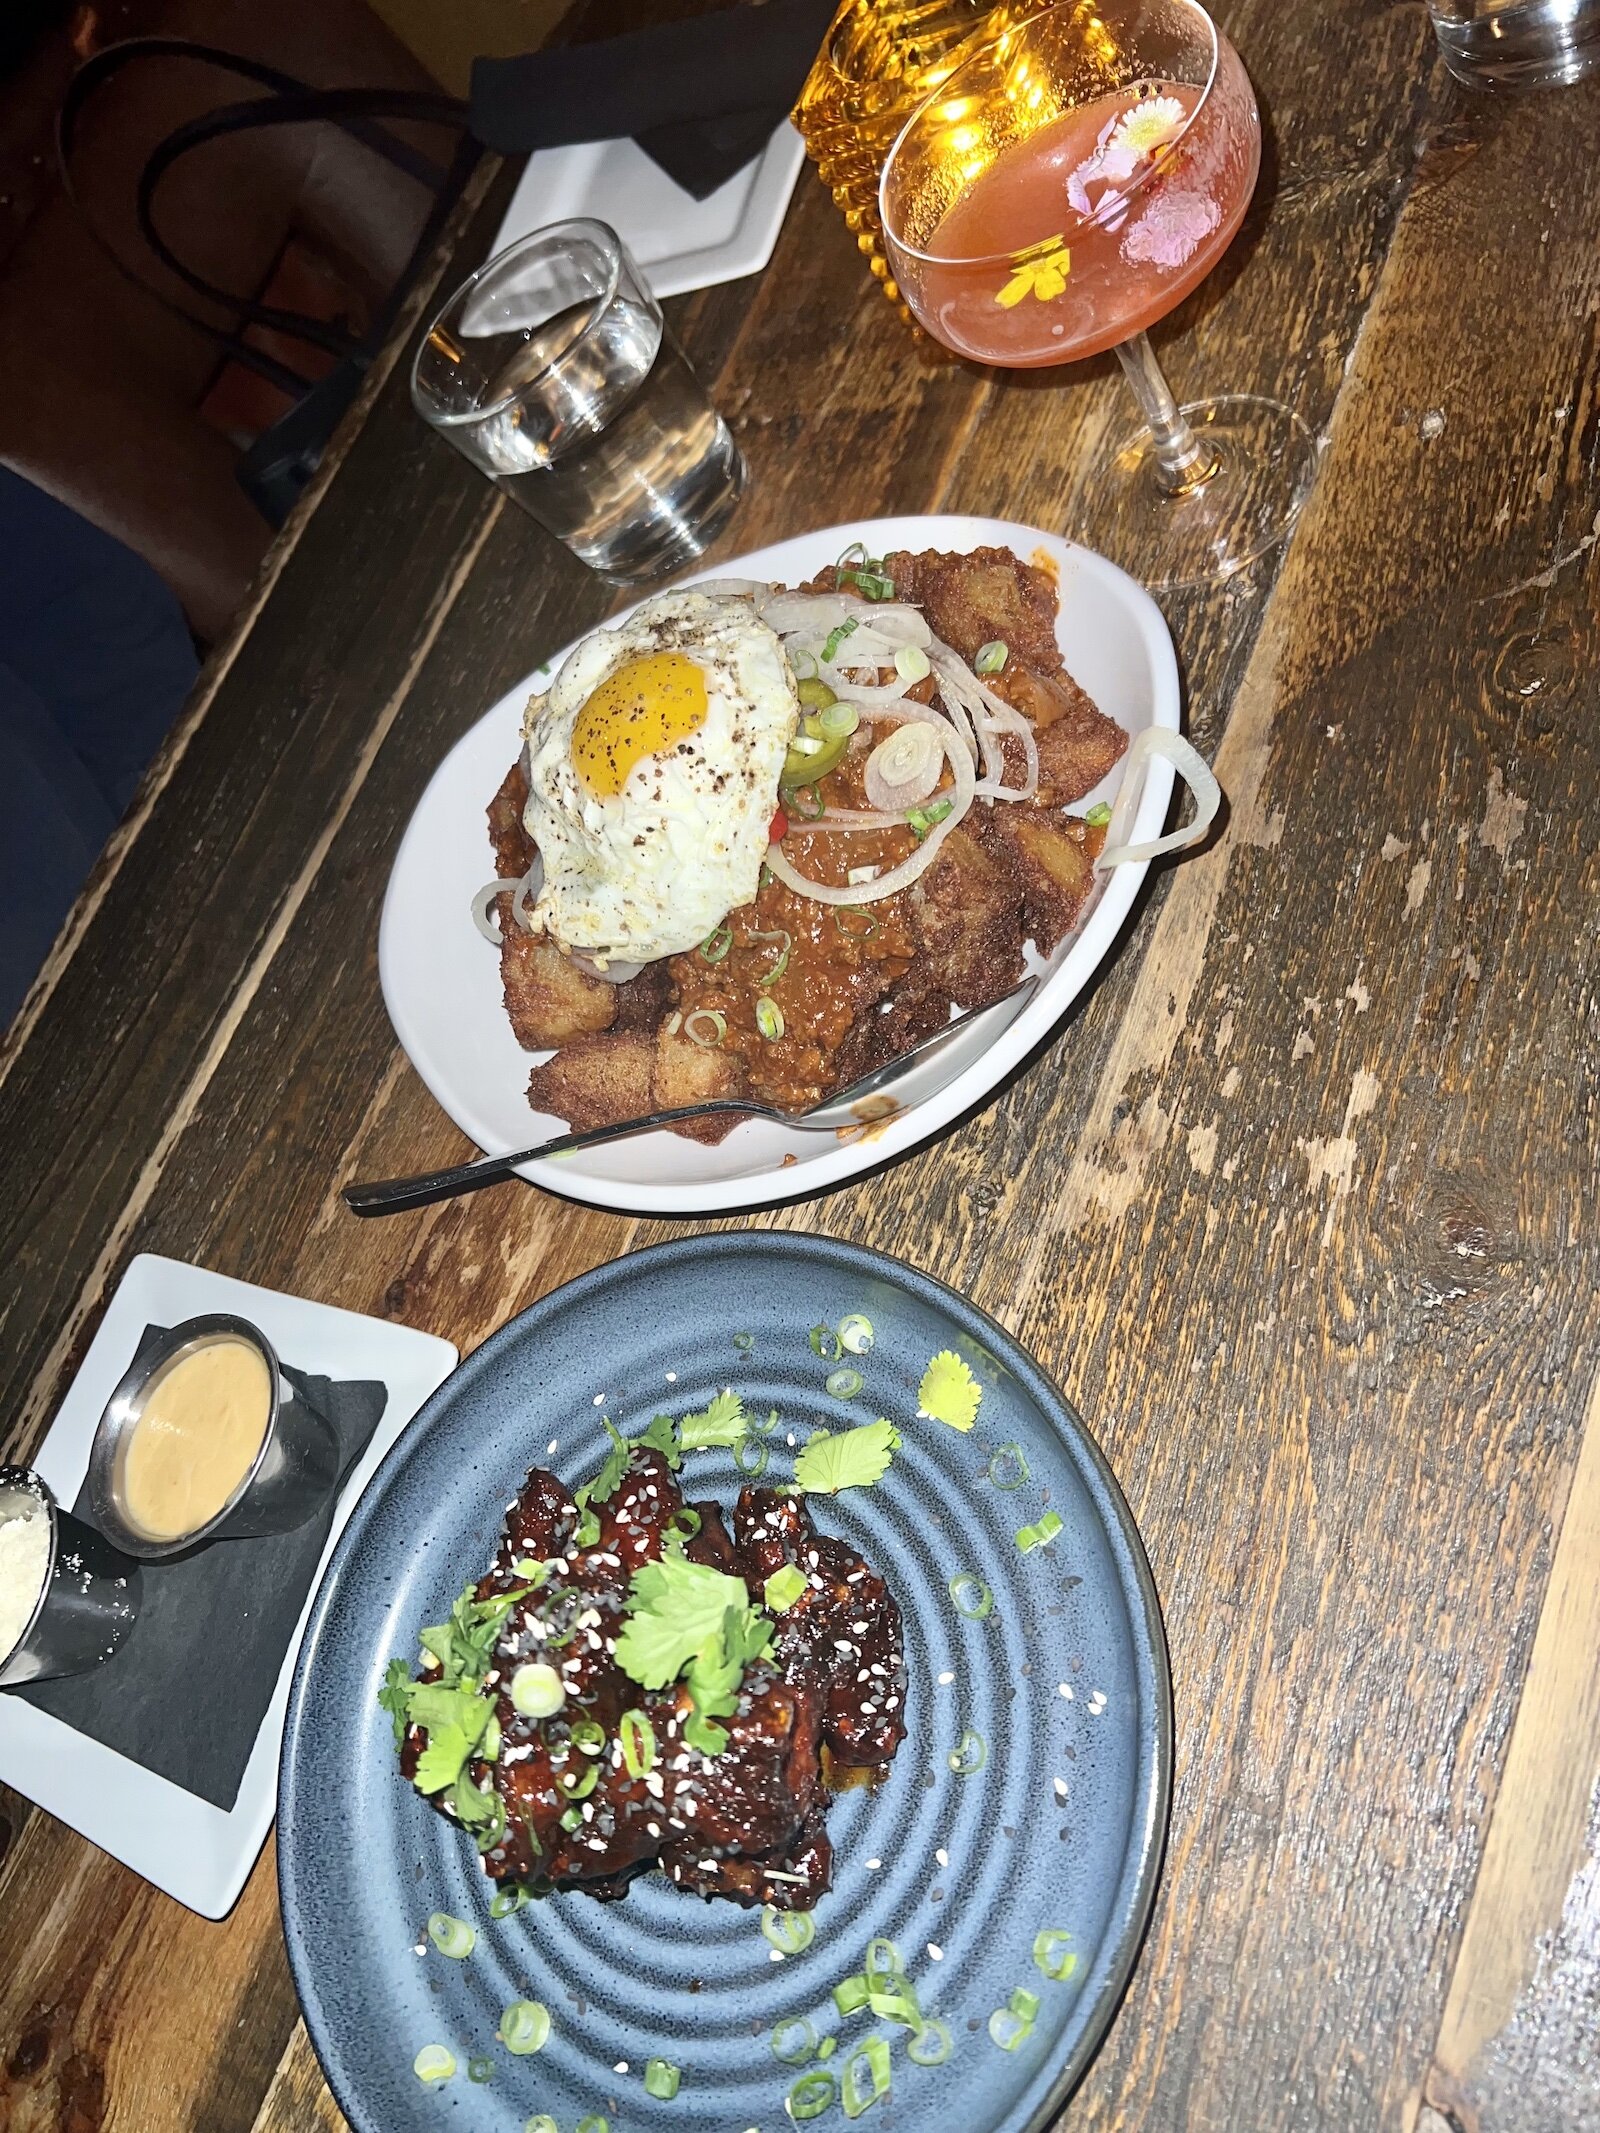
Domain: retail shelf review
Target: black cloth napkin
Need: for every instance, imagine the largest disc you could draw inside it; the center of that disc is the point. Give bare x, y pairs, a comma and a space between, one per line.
700, 97
186, 1694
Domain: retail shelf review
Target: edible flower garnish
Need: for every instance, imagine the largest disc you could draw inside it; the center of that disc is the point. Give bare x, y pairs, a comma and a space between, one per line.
852, 1459
1040, 270
949, 1392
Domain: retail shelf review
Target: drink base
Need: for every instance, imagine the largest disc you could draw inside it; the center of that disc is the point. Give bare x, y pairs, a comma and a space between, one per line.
1531, 44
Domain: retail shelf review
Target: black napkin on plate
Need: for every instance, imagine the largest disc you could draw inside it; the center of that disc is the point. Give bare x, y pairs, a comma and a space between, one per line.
186, 1694
700, 97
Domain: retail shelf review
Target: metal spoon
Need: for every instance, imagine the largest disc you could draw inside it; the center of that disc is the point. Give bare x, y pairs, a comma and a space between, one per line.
387, 1196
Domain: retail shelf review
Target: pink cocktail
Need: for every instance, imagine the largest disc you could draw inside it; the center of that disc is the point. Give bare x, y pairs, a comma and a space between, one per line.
1065, 188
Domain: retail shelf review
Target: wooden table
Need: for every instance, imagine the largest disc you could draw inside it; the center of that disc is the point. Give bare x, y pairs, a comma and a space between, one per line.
1300, 1208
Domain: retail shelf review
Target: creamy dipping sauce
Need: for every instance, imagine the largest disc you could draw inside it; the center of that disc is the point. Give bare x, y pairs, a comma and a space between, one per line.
24, 1562
196, 1440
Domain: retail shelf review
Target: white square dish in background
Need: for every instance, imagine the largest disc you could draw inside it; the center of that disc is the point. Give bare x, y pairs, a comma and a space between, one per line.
679, 242
195, 1851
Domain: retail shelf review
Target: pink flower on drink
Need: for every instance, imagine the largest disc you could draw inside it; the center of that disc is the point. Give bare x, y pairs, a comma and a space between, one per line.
1171, 229
1125, 146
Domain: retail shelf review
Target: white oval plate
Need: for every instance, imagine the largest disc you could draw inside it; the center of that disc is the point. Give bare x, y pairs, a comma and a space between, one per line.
441, 980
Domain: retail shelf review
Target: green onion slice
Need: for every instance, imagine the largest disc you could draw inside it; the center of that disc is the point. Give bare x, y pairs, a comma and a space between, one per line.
451, 1936
1051, 1954
638, 1739
971, 1596
712, 1020
480, 2069
803, 665
793, 2042
857, 552
911, 663
811, 2095
588, 1735
684, 1524
783, 1588
884, 1960
525, 2027
836, 637
790, 1932
871, 584
1009, 2030
744, 1342
1024, 2004
661, 2079
969, 1754
780, 964
509, 1897
838, 720
542, 2123
990, 658
896, 2003
825, 1342
572, 1819
1099, 815
797, 802
593, 2125
1039, 1536
716, 943
843, 1384
769, 1019
577, 1784
863, 932
766, 1428
827, 2048
489, 1747
537, 1690
922, 819
855, 1333
865, 2077
1008, 1469
433, 2064
851, 1994
526, 1567
750, 1456
931, 2044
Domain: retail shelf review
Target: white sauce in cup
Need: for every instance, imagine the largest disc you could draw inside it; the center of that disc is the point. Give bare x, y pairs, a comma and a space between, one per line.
24, 1562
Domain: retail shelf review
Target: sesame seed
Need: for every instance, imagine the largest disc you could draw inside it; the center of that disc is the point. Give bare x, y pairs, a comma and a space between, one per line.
874, 1864
936, 1952
942, 1856
1063, 1690
946, 1678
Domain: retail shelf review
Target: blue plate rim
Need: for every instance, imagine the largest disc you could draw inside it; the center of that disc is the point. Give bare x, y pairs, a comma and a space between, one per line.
1150, 1841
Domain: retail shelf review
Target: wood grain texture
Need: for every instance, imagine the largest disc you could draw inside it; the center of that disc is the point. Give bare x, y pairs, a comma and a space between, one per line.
1299, 1206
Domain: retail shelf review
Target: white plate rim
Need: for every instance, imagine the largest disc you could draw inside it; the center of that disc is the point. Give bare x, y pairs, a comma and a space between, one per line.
1071, 968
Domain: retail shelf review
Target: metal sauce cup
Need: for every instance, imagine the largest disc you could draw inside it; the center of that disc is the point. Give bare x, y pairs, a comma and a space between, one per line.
292, 1475
87, 1604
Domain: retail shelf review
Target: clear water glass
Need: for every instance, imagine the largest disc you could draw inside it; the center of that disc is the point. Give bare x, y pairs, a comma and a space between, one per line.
552, 370
1517, 44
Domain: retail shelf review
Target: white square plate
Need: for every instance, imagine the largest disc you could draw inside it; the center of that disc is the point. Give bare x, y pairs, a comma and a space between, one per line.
193, 1850
680, 242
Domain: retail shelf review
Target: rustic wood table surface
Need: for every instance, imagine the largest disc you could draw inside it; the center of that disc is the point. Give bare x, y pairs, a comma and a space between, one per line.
1300, 1207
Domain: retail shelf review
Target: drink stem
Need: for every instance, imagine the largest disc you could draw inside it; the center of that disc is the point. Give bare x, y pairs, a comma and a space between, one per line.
1182, 464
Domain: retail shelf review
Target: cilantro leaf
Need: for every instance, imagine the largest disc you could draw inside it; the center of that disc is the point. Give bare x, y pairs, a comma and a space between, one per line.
675, 1608
715, 1675
722, 1423
852, 1459
432, 1705
949, 1392
606, 1483
443, 1760
662, 1437
393, 1696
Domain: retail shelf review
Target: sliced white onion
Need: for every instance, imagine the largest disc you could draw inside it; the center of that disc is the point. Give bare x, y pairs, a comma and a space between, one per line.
1195, 772
848, 818
904, 769
526, 893
914, 864
996, 788
808, 615
610, 970
483, 902
731, 588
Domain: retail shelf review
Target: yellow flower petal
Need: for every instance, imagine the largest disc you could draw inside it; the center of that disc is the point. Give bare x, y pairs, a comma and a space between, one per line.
1015, 290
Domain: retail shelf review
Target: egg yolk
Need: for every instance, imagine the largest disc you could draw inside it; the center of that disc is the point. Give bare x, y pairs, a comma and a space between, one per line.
643, 707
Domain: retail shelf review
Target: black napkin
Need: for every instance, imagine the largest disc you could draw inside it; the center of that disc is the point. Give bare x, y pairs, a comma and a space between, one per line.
700, 97
186, 1694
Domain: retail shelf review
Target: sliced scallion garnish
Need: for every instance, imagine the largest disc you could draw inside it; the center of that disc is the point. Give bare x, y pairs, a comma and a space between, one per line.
593, 2125
864, 932
1040, 1535
1051, 1953
744, 1342
783, 1588
572, 1819
1008, 2030
794, 2042
871, 584
542, 2122
827, 2048
865, 2077
1099, 815
851, 1994
1024, 2004
771, 975
509, 1897
836, 637
810, 2096
537, 1690
480, 2069
838, 720
684, 1523
713, 1021
969, 1754
971, 1596
525, 2027
716, 943
790, 1932
825, 1342
433, 2064
843, 1384
451, 1936
638, 1738
769, 1019
855, 1333
990, 658
884, 1960
896, 2003
1008, 1469
911, 663
588, 1735
661, 2078
931, 2044
922, 819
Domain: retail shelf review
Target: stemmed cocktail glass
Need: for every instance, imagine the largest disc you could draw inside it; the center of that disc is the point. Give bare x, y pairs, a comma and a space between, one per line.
1059, 192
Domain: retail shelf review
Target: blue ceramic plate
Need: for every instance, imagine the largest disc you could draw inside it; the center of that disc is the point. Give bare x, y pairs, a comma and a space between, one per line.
1065, 1680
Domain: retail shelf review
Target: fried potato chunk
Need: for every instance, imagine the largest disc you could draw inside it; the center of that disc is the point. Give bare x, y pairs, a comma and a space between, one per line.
1052, 861
514, 849
687, 1073
597, 1081
1075, 752
549, 999
973, 600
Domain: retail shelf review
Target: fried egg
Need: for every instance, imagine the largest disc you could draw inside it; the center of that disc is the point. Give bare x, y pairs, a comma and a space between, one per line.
653, 762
